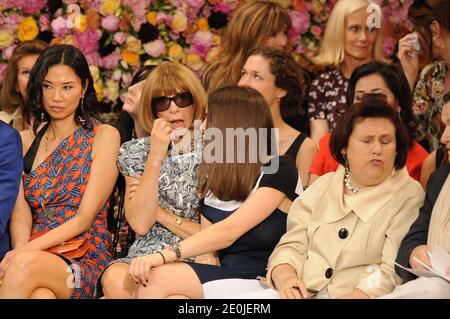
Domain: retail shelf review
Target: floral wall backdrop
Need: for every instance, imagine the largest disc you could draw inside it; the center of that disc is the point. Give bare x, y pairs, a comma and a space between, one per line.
118, 36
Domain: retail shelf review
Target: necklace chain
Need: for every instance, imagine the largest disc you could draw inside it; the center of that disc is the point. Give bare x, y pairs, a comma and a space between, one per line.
182, 150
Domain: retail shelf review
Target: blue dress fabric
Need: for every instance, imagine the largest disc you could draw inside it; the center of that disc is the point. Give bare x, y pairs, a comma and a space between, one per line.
247, 257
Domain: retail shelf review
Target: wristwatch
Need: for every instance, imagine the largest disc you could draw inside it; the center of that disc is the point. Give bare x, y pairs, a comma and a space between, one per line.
178, 222
176, 249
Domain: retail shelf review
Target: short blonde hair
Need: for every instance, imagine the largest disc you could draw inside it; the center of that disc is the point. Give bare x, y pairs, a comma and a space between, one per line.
332, 46
167, 79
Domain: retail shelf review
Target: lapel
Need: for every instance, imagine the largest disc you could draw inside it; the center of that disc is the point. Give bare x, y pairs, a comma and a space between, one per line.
366, 203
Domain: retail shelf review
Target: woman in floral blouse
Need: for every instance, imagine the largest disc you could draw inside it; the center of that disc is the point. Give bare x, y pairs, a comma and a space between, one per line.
431, 20
358, 45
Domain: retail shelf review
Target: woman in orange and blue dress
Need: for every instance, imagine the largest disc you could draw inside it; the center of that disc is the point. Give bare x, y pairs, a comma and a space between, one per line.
69, 173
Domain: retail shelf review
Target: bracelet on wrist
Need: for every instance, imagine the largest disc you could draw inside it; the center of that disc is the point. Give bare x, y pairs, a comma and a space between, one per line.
162, 255
177, 250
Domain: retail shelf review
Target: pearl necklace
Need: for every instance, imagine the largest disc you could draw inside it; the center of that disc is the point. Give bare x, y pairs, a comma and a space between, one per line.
347, 183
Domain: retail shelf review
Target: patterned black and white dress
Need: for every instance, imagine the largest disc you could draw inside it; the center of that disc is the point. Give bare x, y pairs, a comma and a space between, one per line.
177, 190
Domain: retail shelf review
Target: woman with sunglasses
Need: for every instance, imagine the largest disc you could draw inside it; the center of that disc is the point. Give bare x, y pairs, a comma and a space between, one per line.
431, 20
244, 203
161, 171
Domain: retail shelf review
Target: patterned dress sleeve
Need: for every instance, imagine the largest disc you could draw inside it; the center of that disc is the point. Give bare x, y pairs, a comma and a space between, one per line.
316, 99
427, 103
422, 103
133, 156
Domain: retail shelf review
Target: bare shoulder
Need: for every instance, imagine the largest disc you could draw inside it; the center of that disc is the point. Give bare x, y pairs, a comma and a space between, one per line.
430, 160
107, 131
309, 144
106, 136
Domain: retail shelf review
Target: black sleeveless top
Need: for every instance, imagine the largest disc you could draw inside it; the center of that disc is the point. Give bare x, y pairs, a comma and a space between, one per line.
295, 146
29, 157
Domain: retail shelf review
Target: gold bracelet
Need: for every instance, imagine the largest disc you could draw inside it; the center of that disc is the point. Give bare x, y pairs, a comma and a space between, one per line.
178, 222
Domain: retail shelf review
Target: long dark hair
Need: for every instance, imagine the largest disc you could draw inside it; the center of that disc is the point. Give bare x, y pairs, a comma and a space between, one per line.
397, 83
234, 107
73, 58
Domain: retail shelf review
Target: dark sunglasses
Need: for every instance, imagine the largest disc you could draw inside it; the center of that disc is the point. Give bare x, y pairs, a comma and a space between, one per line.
162, 103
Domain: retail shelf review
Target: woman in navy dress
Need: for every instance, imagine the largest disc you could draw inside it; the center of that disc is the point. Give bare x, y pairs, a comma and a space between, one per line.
244, 203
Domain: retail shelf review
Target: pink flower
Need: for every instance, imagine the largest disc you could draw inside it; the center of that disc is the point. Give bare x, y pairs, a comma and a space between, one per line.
110, 23
174, 36
202, 43
59, 27
197, 4
164, 17
88, 41
138, 20
294, 36
13, 21
7, 53
300, 49
155, 48
93, 58
222, 7
44, 22
300, 21
126, 79
316, 30
388, 46
120, 37
117, 74
33, 6
10, 4
138, 7
111, 60
94, 4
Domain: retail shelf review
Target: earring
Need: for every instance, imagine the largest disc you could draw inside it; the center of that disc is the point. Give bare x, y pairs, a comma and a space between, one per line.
81, 118
42, 116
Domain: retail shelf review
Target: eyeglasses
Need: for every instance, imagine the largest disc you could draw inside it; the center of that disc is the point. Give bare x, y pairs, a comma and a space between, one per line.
162, 103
